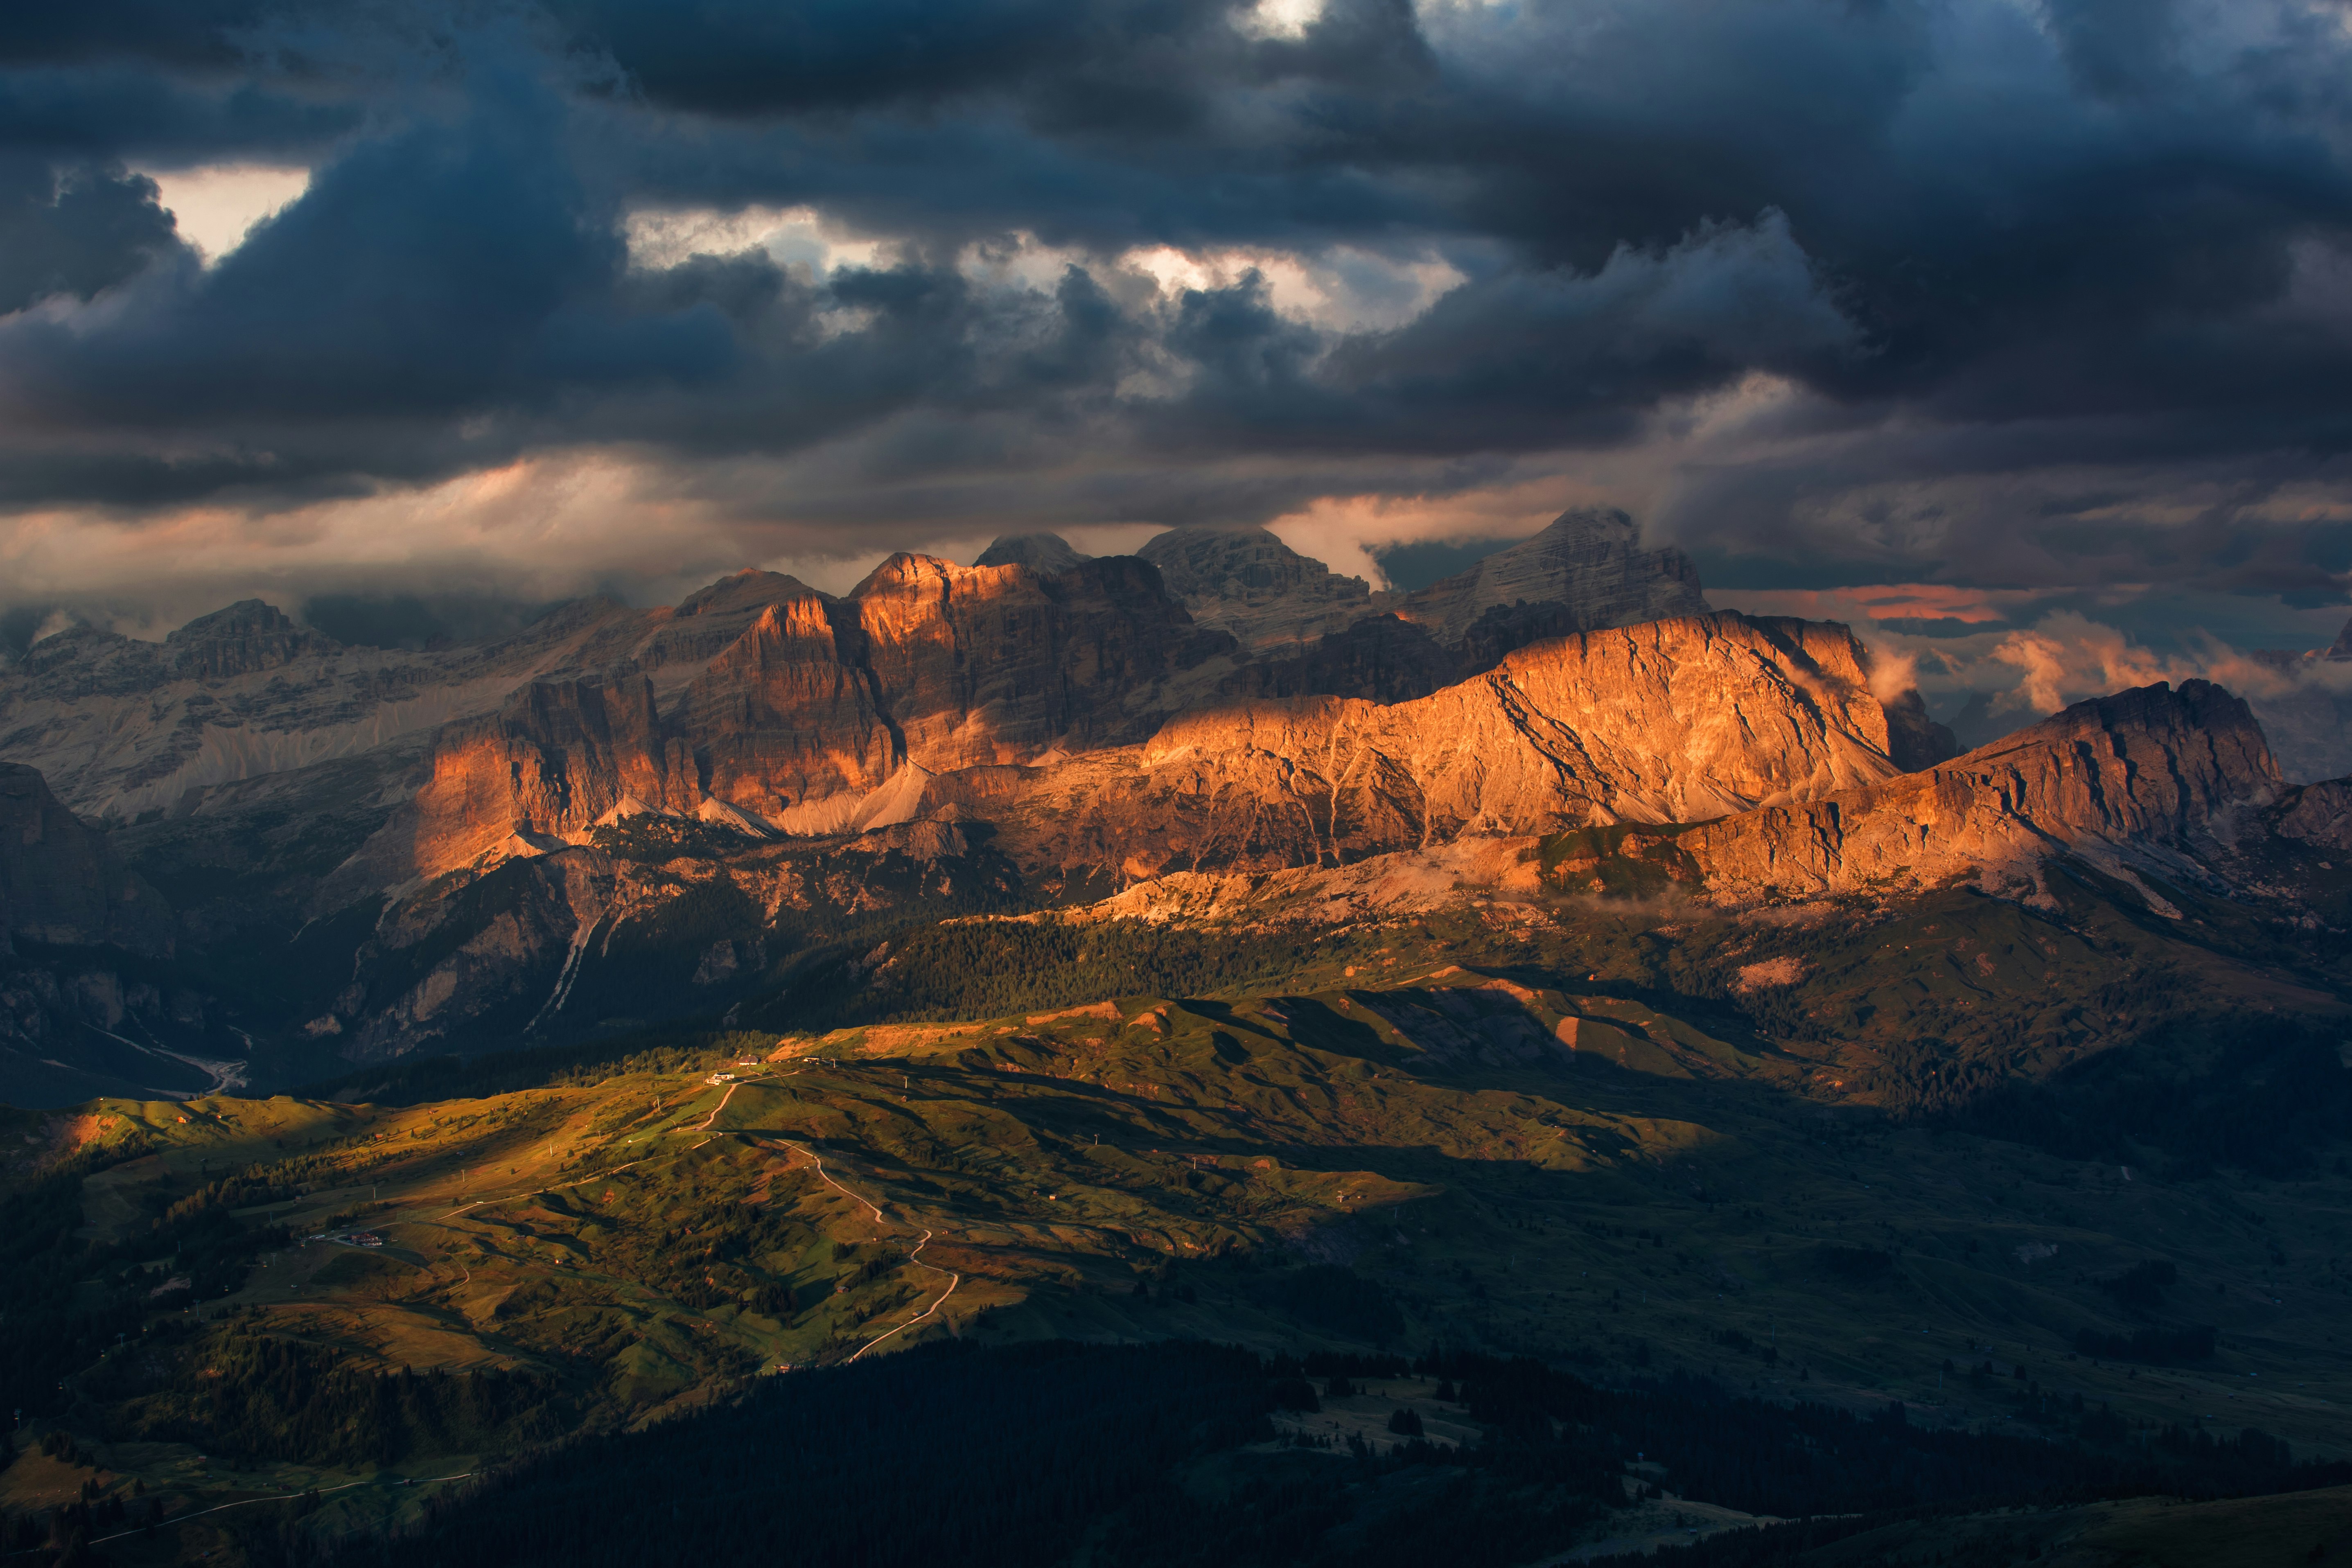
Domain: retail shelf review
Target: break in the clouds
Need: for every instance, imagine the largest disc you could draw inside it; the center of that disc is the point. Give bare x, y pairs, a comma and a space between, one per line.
1970, 314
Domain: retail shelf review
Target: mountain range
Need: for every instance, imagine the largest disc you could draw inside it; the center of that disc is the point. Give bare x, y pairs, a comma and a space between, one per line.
1546, 1052
251, 844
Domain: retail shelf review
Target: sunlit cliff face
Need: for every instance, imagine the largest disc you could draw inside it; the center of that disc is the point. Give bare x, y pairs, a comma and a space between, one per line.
926, 667
1024, 697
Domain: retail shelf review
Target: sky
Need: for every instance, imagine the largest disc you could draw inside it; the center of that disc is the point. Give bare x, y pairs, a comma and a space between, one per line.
2016, 333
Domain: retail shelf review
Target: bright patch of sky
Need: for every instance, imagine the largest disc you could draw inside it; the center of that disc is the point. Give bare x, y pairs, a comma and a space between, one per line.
1341, 290
216, 204
1278, 18
798, 238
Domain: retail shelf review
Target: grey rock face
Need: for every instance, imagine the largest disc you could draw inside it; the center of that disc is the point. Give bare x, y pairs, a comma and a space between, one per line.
1046, 552
1913, 738
62, 883
246, 638
1247, 582
1589, 562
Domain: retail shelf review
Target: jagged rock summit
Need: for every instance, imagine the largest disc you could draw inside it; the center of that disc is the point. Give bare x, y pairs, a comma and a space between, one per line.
617, 809
1247, 582
822, 717
1674, 720
2132, 783
246, 638
1046, 552
1589, 561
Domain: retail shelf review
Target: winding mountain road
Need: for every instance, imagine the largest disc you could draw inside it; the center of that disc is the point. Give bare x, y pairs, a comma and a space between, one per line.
913, 1253
710, 1125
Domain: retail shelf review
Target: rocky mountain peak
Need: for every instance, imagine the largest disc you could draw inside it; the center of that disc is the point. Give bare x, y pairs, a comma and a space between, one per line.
2124, 781
1247, 582
1046, 552
749, 589
246, 638
2342, 646
1589, 561
2152, 759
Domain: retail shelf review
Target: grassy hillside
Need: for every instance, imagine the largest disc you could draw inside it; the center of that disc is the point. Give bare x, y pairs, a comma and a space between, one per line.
2056, 1175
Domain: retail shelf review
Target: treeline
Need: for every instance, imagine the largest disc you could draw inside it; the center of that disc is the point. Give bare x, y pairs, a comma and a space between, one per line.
941, 1455
1016, 1455
65, 1300
2252, 1092
239, 1192
1759, 1457
984, 969
259, 1397
430, 1079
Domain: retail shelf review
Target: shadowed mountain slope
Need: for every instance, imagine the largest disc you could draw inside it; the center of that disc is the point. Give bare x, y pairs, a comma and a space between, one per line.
1590, 562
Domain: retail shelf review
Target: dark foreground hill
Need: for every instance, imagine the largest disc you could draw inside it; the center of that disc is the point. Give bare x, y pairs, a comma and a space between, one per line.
1193, 1456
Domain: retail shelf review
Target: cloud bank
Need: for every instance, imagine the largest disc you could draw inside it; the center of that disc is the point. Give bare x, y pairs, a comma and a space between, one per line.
2009, 312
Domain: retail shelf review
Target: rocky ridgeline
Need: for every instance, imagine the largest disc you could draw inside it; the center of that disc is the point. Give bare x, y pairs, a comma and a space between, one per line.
2153, 780
1672, 720
543, 830
1590, 564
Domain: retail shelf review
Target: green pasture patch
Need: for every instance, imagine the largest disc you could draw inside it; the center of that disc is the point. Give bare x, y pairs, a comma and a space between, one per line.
356, 1271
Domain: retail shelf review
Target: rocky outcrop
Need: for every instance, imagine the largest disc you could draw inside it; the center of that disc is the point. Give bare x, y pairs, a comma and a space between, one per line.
2150, 787
980, 665
62, 883
780, 720
680, 643
1247, 582
1913, 738
1590, 562
656, 923
2127, 780
1046, 552
1670, 721
823, 716
246, 638
558, 757
1056, 708
2318, 816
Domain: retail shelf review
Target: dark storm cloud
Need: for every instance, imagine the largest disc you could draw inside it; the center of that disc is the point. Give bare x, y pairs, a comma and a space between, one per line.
196, 33
74, 233
1983, 241
741, 58
113, 112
